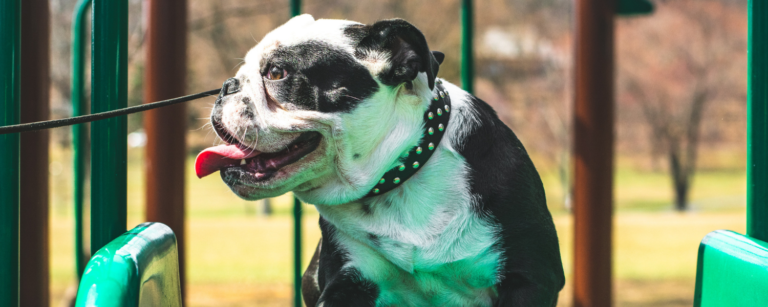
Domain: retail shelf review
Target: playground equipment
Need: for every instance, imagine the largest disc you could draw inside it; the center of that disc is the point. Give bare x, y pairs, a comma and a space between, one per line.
10, 47
139, 268
733, 268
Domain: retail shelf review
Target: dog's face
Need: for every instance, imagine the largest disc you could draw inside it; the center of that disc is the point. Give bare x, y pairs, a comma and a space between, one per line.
321, 108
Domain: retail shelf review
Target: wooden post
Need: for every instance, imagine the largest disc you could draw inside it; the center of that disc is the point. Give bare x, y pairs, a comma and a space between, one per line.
593, 152
164, 78
35, 106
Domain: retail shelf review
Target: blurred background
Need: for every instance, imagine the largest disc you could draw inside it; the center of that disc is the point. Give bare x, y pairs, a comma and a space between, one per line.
680, 139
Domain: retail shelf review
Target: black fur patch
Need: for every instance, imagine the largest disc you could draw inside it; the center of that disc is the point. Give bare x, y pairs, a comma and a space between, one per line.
366, 208
331, 257
341, 287
349, 288
319, 77
310, 293
406, 45
512, 195
374, 239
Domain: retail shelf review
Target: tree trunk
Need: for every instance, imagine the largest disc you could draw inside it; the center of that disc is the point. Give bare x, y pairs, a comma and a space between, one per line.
681, 195
679, 178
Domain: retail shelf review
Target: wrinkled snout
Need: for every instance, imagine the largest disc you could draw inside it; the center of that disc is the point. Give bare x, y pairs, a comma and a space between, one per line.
233, 114
242, 116
264, 141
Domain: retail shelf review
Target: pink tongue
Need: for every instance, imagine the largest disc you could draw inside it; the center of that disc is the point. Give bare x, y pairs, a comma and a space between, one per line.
213, 159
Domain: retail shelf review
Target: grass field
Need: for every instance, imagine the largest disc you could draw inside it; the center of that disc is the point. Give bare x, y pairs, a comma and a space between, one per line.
237, 257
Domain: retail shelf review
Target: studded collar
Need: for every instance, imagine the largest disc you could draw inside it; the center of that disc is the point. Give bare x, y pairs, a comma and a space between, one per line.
435, 124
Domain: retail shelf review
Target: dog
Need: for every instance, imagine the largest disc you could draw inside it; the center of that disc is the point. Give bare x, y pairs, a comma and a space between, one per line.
425, 197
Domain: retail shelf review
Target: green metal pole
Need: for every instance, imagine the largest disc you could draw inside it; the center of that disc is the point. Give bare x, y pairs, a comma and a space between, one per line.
297, 301
467, 53
295, 8
297, 253
757, 121
79, 136
10, 48
109, 76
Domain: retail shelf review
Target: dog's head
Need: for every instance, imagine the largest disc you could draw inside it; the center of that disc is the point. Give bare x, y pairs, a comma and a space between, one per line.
322, 108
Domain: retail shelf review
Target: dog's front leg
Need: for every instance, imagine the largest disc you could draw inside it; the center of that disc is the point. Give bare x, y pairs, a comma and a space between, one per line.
349, 288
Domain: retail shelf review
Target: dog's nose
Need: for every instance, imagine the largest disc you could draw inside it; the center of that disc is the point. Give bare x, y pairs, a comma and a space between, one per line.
231, 86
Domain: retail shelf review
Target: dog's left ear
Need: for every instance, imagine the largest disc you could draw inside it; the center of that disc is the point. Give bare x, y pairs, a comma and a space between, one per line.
409, 52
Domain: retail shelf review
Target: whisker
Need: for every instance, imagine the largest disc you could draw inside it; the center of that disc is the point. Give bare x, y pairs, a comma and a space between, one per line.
238, 64
352, 97
245, 131
204, 125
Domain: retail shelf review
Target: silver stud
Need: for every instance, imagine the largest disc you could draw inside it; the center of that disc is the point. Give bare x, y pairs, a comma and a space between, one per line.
439, 112
382, 181
397, 180
376, 191
439, 81
416, 164
447, 108
401, 168
431, 146
442, 94
430, 115
436, 98
418, 150
440, 127
431, 131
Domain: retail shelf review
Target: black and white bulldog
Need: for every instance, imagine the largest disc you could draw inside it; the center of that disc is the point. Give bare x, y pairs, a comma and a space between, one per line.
426, 198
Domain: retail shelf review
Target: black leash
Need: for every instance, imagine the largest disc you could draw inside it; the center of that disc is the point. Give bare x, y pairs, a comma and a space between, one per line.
103, 115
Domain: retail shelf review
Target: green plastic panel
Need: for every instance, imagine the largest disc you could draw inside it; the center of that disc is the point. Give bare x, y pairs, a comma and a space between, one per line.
732, 271
138, 268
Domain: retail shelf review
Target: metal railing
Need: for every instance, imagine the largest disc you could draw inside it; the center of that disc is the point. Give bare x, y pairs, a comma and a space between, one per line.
79, 137
757, 121
10, 106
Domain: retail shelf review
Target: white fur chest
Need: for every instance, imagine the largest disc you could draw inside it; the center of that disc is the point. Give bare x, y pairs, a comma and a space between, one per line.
422, 244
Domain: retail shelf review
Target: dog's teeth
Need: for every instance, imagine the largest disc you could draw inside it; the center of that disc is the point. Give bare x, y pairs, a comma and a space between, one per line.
242, 162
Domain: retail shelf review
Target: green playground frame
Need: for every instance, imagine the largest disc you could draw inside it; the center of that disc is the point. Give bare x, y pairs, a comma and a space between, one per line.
732, 268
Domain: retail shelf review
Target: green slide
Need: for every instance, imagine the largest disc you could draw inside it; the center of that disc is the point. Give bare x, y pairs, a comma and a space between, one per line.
139, 268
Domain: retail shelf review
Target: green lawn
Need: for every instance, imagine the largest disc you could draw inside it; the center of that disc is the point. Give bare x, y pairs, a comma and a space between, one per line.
238, 258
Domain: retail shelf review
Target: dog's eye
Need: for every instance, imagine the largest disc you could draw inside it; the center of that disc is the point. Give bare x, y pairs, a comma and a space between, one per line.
276, 73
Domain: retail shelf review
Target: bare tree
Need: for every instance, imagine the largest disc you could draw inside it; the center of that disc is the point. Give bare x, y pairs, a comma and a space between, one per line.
672, 66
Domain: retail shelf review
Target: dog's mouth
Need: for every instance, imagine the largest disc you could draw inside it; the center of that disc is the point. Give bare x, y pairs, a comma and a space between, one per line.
260, 165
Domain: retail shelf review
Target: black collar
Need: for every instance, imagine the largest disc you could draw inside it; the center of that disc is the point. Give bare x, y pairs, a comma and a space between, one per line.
435, 124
